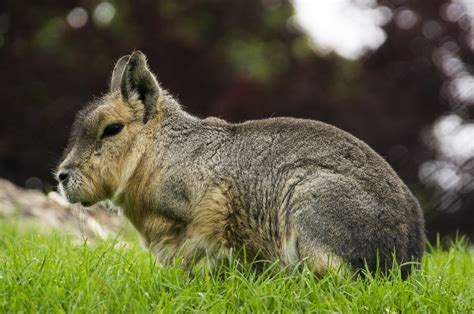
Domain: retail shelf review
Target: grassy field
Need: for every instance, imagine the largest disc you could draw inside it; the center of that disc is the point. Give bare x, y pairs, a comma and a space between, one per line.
52, 273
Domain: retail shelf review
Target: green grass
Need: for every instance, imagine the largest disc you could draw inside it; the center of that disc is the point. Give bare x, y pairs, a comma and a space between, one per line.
52, 273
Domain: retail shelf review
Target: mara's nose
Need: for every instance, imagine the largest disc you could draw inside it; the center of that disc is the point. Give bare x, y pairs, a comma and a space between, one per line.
62, 176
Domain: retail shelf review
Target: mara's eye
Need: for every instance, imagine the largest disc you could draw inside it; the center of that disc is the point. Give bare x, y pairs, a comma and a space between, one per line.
112, 129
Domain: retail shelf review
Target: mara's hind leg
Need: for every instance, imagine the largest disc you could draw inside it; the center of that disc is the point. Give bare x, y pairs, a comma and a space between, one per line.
334, 214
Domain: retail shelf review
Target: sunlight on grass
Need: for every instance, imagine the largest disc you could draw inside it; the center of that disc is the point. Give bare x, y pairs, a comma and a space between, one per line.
49, 273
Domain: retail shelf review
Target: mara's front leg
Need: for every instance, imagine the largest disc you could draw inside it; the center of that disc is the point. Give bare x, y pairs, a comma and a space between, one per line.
173, 242
200, 236
163, 237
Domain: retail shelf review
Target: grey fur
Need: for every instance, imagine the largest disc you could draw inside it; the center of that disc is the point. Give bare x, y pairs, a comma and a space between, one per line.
282, 175
136, 78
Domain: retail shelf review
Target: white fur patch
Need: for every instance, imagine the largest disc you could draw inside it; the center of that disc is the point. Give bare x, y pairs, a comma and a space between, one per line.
289, 252
127, 172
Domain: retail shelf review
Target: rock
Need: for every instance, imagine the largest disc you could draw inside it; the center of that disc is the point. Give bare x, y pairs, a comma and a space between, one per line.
50, 212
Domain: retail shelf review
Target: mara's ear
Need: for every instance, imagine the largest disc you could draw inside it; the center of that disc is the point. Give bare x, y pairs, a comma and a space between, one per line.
137, 79
118, 72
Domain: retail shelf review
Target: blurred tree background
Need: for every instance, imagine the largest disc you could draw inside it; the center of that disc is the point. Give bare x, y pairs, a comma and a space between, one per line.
410, 97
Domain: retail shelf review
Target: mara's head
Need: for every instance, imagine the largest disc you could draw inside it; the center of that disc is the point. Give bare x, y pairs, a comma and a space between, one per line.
107, 135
